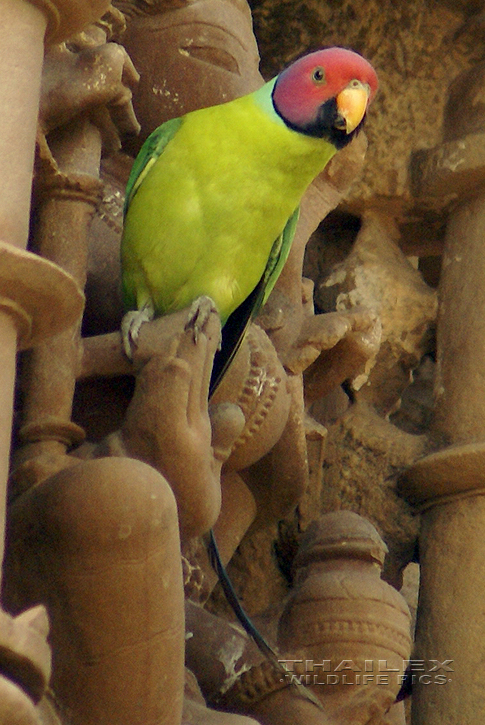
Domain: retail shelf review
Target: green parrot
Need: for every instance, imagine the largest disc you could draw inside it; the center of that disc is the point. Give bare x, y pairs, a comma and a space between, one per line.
213, 197
212, 204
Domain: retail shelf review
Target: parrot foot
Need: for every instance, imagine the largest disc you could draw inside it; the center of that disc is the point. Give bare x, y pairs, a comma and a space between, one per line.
130, 327
199, 313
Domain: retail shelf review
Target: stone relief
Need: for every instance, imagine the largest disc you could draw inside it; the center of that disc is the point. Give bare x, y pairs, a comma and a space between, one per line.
312, 453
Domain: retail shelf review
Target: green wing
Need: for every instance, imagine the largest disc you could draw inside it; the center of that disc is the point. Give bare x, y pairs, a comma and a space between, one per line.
236, 325
151, 150
279, 255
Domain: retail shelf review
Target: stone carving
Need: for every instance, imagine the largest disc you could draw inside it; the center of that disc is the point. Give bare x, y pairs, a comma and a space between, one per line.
273, 418
25, 279
447, 484
119, 469
347, 616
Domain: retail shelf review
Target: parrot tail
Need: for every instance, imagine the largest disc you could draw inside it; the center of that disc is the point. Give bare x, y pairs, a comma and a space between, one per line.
248, 625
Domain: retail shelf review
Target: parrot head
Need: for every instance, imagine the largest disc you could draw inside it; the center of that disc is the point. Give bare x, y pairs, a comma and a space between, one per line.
326, 94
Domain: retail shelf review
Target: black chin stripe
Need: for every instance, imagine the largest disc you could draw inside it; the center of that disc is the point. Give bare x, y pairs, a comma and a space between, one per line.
323, 126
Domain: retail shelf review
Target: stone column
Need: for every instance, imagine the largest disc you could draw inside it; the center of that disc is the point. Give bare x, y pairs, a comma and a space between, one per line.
68, 200
36, 298
449, 484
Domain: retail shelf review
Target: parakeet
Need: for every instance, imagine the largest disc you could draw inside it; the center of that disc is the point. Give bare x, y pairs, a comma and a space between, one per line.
212, 204
213, 197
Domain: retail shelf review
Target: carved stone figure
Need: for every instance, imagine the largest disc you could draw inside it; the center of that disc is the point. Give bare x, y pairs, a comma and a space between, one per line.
75, 124
120, 468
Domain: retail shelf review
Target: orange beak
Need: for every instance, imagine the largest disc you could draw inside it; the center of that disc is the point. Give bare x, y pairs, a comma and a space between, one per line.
352, 104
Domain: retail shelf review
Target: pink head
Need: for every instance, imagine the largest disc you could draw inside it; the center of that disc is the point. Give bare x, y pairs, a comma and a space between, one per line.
326, 94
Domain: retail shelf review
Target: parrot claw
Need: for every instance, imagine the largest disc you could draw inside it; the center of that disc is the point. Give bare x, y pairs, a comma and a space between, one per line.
200, 311
130, 327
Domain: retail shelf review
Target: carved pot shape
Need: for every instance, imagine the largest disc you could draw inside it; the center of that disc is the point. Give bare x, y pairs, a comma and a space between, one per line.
351, 630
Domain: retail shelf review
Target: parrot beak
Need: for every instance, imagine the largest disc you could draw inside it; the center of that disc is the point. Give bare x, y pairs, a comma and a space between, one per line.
352, 105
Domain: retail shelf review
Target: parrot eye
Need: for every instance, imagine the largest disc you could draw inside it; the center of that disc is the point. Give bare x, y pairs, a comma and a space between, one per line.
318, 75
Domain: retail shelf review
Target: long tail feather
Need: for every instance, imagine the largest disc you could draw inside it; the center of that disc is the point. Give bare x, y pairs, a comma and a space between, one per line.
248, 625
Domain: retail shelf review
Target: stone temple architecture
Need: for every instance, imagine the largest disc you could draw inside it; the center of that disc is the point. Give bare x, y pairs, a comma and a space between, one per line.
340, 463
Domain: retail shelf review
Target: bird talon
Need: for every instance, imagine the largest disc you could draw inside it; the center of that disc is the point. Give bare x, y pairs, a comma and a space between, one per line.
199, 314
130, 328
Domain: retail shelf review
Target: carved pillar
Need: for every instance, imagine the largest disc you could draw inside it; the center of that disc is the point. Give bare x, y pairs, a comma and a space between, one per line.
22, 49
85, 101
449, 484
70, 192
36, 298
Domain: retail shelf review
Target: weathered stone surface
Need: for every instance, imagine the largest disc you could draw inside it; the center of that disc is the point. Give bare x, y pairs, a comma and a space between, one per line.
418, 171
364, 458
